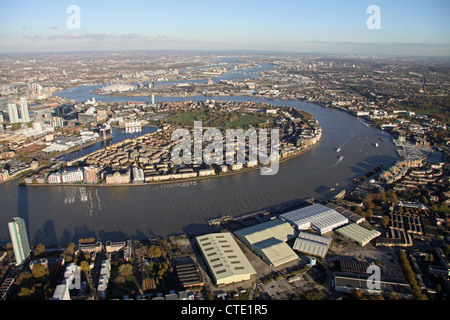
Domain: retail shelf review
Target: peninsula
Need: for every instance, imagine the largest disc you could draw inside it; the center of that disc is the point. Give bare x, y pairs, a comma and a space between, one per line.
147, 158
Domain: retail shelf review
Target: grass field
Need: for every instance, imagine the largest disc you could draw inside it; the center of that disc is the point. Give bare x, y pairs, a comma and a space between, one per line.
242, 121
187, 118
247, 120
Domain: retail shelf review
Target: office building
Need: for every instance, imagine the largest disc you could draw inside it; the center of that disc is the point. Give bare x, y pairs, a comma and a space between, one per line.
19, 239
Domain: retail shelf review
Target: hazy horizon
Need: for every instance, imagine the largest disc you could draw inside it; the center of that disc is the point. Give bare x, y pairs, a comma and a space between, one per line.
410, 28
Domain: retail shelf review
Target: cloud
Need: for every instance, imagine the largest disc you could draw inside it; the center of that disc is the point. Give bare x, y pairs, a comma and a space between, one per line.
54, 28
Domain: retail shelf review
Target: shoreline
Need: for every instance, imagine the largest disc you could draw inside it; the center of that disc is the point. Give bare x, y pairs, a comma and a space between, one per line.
226, 174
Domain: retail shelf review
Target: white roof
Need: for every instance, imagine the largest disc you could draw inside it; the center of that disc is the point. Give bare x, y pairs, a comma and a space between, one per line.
271, 229
268, 240
312, 244
275, 252
317, 216
225, 259
358, 234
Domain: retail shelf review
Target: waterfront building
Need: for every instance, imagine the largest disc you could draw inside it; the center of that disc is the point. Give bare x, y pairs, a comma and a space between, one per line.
54, 178
90, 174
4, 175
224, 258
206, 172
316, 216
19, 239
72, 175
236, 166
118, 177
127, 247
89, 248
138, 175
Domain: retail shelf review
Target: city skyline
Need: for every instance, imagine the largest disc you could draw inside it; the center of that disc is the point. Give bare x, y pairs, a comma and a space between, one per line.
407, 27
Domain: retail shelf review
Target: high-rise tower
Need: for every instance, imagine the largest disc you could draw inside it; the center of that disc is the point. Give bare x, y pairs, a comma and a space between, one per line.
12, 113
19, 239
25, 117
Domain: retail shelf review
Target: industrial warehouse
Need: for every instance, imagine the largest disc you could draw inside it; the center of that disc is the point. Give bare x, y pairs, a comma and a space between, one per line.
312, 244
268, 240
358, 234
224, 258
317, 216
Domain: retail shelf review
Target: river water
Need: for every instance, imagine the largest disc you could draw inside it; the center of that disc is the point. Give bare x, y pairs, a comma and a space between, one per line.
62, 214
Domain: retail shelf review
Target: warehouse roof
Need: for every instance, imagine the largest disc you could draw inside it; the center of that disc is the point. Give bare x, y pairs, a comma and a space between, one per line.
356, 233
225, 259
267, 239
271, 229
275, 251
317, 216
354, 217
312, 244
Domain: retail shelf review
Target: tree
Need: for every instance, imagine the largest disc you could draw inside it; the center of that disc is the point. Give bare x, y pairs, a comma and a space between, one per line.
358, 295
39, 271
70, 248
154, 251
392, 196
23, 278
394, 296
39, 250
125, 269
84, 266
25, 292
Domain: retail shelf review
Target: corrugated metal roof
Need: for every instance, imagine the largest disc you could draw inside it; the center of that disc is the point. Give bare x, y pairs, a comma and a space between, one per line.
268, 240
316, 216
225, 259
357, 233
275, 252
312, 244
271, 229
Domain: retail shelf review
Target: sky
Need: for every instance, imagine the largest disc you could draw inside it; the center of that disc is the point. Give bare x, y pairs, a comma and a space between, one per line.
406, 27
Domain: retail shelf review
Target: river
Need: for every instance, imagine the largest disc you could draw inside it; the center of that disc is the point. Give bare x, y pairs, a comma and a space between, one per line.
62, 214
